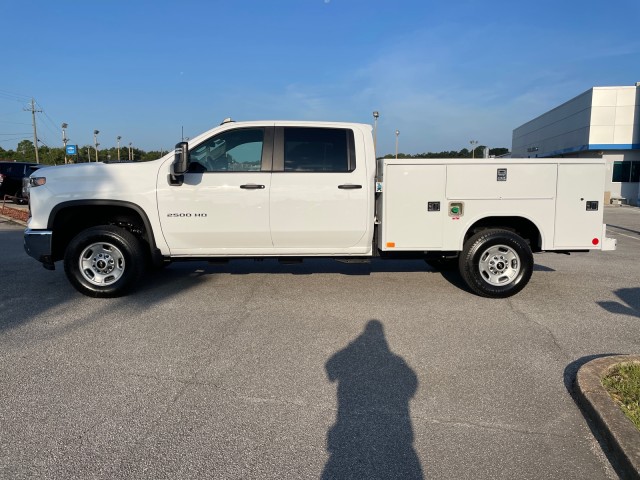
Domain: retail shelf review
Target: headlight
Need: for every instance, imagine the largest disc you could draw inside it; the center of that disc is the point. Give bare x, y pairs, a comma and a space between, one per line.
37, 181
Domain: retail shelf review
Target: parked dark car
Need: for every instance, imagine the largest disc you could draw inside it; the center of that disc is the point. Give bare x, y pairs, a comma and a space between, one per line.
11, 175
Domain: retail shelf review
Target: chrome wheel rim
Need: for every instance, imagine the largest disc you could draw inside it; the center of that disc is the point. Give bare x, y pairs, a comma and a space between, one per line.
499, 265
101, 264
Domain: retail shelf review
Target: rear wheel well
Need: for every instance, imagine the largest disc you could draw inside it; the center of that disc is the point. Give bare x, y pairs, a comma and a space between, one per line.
71, 220
521, 226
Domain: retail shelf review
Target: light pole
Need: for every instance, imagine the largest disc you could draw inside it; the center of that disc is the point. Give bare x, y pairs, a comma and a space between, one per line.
130, 151
375, 133
397, 135
64, 141
118, 139
95, 142
473, 149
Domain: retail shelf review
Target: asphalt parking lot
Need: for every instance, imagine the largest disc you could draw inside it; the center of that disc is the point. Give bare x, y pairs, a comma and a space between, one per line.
320, 370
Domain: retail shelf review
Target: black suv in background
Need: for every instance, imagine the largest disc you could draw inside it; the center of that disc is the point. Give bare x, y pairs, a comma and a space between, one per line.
11, 175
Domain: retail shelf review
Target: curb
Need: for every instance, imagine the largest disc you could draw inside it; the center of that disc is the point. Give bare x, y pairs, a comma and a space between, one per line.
620, 434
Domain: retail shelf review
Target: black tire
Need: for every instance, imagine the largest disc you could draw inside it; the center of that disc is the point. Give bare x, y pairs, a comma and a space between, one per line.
496, 263
104, 261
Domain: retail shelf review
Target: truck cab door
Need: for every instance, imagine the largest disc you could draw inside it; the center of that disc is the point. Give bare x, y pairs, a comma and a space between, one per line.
222, 206
320, 190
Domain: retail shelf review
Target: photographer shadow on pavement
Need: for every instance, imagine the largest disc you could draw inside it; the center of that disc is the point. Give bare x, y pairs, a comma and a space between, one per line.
372, 436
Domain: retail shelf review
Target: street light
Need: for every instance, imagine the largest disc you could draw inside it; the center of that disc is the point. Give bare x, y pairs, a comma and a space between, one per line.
95, 142
375, 133
64, 141
118, 139
473, 150
130, 152
397, 135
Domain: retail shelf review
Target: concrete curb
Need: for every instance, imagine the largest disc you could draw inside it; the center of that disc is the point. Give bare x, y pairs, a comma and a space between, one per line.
621, 435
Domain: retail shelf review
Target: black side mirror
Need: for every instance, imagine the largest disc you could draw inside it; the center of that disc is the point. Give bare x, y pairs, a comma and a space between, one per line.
180, 164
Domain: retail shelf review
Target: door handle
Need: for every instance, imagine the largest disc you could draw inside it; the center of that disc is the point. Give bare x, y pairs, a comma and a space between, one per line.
349, 187
252, 186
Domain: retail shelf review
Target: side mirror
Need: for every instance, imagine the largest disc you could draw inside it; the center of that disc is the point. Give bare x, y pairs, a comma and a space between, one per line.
180, 164
181, 161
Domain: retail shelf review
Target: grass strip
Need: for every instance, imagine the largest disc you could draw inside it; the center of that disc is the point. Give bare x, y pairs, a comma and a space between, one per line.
623, 384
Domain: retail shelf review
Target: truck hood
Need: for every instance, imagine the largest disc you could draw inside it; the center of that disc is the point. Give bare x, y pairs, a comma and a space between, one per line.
95, 180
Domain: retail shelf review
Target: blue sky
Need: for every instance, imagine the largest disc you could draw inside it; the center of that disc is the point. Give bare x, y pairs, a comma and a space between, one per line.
441, 72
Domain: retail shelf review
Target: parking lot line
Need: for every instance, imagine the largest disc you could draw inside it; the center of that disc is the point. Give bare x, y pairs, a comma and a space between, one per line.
625, 235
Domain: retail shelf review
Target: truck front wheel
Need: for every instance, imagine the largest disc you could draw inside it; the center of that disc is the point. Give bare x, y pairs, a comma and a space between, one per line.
104, 261
496, 263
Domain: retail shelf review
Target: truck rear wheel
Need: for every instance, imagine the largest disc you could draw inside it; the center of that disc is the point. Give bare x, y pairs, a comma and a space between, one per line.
104, 261
496, 263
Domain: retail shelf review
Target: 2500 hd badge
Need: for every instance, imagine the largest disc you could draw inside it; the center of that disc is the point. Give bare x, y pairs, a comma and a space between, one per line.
186, 215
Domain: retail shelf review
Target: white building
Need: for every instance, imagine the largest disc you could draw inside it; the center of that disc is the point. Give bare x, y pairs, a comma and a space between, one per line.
601, 122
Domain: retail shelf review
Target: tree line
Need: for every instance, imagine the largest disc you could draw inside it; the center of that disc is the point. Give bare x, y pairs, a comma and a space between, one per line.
25, 152
477, 152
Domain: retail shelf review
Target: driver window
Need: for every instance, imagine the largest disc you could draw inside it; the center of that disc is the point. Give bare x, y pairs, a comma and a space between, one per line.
231, 151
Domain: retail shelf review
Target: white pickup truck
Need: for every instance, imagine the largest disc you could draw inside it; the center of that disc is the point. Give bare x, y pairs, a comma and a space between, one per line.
311, 189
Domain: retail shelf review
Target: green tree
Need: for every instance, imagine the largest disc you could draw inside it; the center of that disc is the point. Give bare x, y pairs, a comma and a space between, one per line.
464, 153
26, 151
497, 152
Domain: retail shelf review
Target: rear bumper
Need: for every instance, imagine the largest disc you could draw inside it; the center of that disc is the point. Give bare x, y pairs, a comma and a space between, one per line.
37, 244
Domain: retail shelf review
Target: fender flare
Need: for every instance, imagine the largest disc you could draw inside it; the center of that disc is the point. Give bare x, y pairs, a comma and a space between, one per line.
108, 203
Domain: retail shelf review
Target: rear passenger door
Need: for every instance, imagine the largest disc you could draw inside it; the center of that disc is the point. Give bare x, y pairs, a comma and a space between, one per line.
318, 189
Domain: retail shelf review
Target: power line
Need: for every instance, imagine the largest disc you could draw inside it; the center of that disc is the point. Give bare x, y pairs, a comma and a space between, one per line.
14, 123
14, 99
54, 123
12, 139
43, 143
51, 123
14, 95
54, 130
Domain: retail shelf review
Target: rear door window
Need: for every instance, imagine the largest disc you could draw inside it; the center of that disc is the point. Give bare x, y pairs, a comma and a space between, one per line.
318, 150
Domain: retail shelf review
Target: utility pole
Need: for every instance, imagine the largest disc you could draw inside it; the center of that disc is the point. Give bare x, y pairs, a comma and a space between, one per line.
397, 135
33, 111
118, 138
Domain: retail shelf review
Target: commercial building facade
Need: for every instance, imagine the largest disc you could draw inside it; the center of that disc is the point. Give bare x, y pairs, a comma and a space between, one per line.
603, 122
